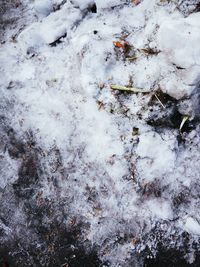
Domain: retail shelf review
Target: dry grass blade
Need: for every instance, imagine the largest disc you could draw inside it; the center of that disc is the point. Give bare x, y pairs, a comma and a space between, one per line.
159, 100
148, 51
128, 89
185, 118
132, 58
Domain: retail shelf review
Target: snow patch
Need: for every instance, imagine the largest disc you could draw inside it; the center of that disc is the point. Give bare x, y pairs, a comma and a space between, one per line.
179, 38
51, 28
156, 154
192, 226
160, 208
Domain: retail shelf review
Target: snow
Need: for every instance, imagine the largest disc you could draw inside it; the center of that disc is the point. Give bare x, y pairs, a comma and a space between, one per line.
101, 4
50, 28
83, 4
156, 152
45, 7
160, 209
8, 168
179, 38
192, 226
113, 180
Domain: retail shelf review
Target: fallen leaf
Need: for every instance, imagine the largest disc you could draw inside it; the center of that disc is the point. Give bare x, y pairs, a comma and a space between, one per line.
118, 44
136, 2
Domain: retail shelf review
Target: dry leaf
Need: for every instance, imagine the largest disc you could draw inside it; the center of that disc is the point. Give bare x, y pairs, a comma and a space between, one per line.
136, 2
118, 44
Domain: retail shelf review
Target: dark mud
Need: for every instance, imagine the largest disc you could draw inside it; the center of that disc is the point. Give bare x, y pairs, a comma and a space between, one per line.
42, 233
170, 258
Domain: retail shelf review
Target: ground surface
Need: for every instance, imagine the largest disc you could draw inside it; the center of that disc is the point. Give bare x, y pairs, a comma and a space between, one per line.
91, 175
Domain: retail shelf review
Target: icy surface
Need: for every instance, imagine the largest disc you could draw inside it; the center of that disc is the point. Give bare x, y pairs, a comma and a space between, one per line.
89, 149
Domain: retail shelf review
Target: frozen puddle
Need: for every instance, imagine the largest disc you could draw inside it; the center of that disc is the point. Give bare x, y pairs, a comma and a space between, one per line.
93, 176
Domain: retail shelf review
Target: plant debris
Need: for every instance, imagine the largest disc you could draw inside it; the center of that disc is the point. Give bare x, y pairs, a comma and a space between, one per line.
148, 51
185, 118
118, 44
128, 89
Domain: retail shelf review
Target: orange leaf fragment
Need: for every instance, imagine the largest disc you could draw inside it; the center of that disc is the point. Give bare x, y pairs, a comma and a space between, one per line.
136, 2
118, 44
